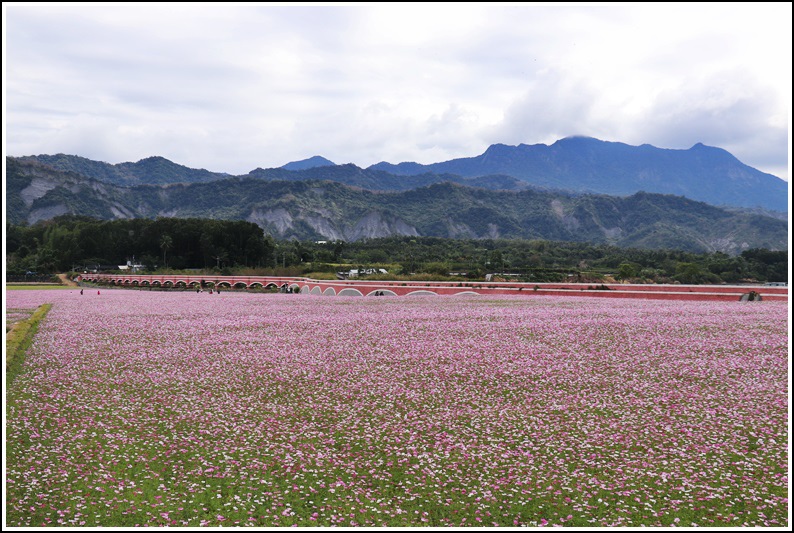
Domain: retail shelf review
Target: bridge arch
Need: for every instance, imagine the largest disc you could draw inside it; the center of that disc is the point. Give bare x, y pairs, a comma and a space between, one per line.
350, 292
168, 284
316, 290
224, 284
156, 283
329, 292
466, 293
295, 287
255, 285
240, 285
421, 292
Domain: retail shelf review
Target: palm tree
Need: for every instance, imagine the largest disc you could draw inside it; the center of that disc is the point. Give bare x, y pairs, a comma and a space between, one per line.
166, 243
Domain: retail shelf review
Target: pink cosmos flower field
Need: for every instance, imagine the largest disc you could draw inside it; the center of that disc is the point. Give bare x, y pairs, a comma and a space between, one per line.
187, 409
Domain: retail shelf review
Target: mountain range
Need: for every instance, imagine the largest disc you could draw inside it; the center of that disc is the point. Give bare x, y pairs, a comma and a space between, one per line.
573, 164
349, 203
584, 164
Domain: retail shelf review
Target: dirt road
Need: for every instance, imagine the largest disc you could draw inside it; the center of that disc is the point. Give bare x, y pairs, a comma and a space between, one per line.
66, 281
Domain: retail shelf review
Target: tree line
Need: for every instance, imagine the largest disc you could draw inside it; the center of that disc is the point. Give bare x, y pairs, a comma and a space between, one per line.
75, 243
543, 260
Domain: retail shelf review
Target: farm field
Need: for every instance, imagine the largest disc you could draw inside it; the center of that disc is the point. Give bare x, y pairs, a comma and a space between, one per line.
190, 409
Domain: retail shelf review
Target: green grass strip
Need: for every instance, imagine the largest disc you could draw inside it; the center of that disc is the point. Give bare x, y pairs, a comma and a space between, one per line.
37, 287
19, 339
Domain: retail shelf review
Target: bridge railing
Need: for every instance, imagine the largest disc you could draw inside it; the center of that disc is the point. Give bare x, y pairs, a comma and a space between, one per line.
364, 286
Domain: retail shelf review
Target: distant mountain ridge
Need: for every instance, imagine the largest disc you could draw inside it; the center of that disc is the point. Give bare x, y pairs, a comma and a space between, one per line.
378, 180
153, 170
577, 164
312, 162
323, 209
585, 164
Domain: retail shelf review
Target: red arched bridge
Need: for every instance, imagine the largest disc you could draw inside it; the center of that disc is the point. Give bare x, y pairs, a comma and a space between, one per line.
405, 288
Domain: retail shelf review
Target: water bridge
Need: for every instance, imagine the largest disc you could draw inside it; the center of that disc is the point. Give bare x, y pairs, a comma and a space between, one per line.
407, 288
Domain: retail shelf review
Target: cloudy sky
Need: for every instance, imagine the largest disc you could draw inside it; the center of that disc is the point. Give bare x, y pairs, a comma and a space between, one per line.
233, 87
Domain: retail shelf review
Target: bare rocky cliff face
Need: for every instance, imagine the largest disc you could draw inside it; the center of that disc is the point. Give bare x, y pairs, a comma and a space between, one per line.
283, 224
375, 224
42, 182
38, 187
47, 193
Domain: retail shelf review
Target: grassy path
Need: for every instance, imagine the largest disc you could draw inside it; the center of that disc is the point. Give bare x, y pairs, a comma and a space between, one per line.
19, 339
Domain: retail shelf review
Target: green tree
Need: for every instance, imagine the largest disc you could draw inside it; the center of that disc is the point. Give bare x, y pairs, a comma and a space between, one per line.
628, 271
688, 273
497, 261
166, 242
437, 267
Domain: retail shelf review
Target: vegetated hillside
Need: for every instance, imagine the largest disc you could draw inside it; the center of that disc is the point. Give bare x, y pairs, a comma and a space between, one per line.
585, 164
329, 210
149, 171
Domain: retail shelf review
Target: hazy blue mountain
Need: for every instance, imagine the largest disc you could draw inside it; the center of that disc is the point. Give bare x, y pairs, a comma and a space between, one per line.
378, 180
322, 209
315, 161
585, 164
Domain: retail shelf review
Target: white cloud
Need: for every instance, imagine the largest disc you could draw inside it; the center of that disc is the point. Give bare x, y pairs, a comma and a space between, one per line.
230, 88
